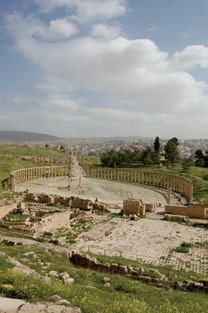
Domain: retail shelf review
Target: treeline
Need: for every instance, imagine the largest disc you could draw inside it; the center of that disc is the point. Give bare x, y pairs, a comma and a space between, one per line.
128, 157
201, 158
147, 156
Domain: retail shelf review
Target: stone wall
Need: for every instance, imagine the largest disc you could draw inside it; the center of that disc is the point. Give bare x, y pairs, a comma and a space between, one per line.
135, 206
27, 174
173, 183
193, 210
49, 223
72, 202
137, 273
7, 206
43, 159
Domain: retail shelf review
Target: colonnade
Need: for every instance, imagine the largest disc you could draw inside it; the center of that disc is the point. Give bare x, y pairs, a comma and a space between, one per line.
175, 183
27, 174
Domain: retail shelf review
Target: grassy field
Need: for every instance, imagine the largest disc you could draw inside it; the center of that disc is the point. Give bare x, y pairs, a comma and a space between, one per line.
10, 160
89, 291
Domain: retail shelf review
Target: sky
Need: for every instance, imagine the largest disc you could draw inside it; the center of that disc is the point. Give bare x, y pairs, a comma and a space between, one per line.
104, 68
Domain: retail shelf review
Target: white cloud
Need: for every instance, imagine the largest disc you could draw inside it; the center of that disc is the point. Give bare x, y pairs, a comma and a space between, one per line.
33, 28
147, 90
50, 84
63, 27
57, 96
86, 10
90, 10
59, 103
190, 57
106, 31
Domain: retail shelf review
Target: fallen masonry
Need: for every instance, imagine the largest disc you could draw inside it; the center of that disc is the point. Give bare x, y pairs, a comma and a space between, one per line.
46, 217
154, 278
8, 305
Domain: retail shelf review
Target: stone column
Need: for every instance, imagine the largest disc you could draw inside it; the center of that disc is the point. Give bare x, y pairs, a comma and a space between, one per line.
12, 181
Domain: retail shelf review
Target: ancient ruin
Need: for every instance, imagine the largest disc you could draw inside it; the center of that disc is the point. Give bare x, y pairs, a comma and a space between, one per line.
138, 207
161, 180
192, 210
27, 174
166, 181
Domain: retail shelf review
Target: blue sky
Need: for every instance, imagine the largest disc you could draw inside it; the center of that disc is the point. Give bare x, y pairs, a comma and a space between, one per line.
100, 68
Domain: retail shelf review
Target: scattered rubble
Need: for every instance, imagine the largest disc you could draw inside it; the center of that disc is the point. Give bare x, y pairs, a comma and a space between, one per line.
154, 278
8, 305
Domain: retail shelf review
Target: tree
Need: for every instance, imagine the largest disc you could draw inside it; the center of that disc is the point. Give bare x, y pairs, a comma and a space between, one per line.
187, 163
136, 156
171, 151
104, 158
110, 158
200, 158
157, 150
157, 145
147, 156
127, 156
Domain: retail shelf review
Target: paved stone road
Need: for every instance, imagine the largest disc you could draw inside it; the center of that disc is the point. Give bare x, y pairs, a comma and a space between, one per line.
149, 241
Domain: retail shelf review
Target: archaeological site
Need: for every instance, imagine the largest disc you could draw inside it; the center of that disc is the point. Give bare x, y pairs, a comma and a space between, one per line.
86, 212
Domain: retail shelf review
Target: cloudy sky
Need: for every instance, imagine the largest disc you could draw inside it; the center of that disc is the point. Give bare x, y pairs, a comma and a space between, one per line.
100, 68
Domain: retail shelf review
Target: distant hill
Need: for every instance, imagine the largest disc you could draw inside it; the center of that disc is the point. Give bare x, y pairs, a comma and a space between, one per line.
20, 136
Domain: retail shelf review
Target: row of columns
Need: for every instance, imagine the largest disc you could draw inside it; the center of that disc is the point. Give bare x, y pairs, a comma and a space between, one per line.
172, 182
27, 174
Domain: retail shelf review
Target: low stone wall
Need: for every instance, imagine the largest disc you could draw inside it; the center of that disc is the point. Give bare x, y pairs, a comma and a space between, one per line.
72, 202
52, 222
135, 273
134, 206
7, 206
43, 159
193, 210
177, 218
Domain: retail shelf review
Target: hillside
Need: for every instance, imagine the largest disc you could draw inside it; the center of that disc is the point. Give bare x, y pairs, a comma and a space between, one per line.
21, 136
149, 269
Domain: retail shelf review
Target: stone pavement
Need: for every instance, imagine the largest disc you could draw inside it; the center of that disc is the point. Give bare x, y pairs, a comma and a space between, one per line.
149, 241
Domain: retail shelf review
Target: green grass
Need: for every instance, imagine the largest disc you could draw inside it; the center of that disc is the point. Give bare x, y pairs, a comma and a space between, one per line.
168, 271
88, 290
184, 247
19, 150
10, 160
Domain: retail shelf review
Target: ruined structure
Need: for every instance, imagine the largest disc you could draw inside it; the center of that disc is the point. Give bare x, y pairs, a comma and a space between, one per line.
193, 210
43, 159
135, 206
174, 183
27, 174
170, 182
